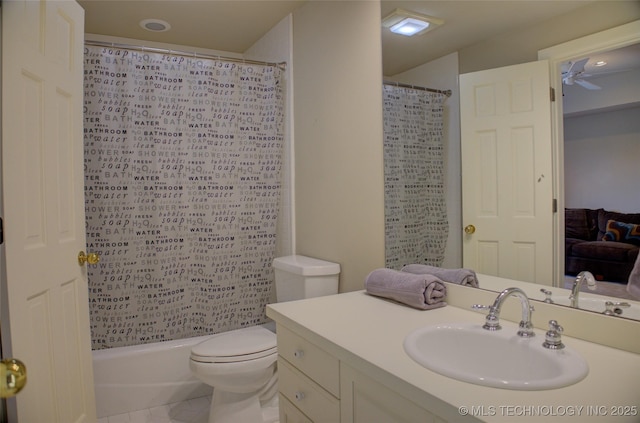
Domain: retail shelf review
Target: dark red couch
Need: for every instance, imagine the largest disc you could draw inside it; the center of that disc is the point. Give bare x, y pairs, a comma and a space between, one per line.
603, 242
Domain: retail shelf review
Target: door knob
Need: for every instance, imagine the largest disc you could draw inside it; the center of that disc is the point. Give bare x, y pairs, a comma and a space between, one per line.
13, 377
91, 258
469, 229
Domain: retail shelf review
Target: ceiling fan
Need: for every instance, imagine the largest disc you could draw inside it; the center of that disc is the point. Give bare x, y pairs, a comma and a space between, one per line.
575, 75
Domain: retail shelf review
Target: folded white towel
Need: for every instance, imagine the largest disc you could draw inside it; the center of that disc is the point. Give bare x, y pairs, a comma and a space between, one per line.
419, 291
633, 285
459, 276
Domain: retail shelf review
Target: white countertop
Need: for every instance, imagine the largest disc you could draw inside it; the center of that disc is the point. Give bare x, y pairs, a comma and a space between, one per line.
367, 333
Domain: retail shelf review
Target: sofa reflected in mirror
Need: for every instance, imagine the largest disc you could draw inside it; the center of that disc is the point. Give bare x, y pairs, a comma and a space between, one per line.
605, 243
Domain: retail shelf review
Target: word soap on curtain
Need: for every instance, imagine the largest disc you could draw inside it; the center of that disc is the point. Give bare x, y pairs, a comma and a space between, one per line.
416, 226
182, 184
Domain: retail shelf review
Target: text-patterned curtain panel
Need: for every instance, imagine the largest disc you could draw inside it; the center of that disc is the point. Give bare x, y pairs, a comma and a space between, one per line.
416, 226
182, 184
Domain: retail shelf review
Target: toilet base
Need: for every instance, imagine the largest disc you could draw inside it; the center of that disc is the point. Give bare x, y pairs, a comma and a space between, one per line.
258, 407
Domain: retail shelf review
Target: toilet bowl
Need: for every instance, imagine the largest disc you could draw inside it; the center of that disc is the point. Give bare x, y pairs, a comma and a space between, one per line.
240, 365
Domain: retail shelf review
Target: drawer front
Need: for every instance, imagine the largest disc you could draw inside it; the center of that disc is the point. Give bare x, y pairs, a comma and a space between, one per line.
314, 362
307, 396
289, 413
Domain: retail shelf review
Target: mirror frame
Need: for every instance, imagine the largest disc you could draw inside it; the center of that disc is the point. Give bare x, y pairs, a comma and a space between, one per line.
611, 39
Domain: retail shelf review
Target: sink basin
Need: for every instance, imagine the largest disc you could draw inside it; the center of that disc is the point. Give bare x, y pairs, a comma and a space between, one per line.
499, 359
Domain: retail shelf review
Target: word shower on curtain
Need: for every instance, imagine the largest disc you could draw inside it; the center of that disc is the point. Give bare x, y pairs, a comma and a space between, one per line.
416, 226
182, 185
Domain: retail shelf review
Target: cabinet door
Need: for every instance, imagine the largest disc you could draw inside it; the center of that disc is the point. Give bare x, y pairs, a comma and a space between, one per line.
364, 400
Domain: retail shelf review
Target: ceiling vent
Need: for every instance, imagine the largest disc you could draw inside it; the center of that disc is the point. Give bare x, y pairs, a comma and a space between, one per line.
410, 23
155, 25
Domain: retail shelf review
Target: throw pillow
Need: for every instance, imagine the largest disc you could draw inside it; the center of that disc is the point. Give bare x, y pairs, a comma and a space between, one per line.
622, 232
605, 216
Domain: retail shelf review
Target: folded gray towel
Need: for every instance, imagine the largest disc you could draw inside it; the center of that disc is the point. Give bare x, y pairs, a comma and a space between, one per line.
459, 276
419, 291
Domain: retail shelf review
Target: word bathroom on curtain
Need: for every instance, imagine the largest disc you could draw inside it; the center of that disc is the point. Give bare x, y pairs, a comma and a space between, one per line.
182, 184
416, 225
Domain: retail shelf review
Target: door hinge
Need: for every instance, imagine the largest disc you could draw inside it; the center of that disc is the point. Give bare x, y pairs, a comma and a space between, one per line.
554, 205
552, 94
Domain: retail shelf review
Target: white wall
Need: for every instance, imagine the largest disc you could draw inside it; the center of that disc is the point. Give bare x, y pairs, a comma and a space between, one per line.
277, 46
338, 136
601, 154
442, 74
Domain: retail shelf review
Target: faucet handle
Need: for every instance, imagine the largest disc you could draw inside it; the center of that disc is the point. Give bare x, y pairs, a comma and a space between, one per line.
547, 294
553, 337
614, 308
492, 322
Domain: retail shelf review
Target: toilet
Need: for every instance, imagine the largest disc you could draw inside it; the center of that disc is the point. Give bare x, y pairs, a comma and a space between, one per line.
240, 365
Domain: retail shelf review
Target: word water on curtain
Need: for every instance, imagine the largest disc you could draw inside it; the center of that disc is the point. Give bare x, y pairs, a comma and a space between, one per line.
416, 226
182, 183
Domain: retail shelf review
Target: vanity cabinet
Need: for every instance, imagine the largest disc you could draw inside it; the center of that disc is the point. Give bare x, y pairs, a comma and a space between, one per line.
342, 360
366, 401
315, 387
309, 379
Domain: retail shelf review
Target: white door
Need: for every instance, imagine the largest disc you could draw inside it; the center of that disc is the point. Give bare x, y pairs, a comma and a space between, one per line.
507, 200
43, 184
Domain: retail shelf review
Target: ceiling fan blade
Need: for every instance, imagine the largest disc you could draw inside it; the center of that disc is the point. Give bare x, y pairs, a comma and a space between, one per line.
577, 67
586, 84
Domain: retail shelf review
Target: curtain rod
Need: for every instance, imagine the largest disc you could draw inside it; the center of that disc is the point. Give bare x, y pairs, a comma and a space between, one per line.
281, 65
431, 90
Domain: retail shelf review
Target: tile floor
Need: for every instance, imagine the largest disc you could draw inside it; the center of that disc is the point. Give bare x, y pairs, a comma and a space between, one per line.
191, 411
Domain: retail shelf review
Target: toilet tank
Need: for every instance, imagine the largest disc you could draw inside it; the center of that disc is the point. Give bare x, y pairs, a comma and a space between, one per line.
299, 277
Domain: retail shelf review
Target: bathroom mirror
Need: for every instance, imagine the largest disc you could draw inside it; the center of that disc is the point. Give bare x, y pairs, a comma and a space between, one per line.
558, 56
620, 43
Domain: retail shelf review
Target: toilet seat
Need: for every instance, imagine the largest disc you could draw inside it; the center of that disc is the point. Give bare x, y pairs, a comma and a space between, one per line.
236, 346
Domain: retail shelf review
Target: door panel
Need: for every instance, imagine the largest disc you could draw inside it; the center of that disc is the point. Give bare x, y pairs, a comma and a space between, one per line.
43, 189
507, 172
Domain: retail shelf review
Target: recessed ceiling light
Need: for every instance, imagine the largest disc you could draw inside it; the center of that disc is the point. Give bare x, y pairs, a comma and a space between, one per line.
409, 27
600, 63
155, 25
410, 23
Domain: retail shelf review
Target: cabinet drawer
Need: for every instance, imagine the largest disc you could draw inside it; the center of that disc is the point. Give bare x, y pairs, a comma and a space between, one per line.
307, 396
310, 360
289, 413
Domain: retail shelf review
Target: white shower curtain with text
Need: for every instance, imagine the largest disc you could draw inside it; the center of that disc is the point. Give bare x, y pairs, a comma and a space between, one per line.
416, 226
182, 183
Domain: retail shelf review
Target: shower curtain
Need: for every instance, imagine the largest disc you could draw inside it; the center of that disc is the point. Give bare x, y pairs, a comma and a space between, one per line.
182, 183
416, 226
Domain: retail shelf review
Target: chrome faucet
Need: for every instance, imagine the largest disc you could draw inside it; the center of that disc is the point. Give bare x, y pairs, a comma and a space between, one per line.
575, 290
492, 321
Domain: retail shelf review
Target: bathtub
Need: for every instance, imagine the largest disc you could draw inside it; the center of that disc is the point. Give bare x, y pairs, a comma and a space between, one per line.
144, 376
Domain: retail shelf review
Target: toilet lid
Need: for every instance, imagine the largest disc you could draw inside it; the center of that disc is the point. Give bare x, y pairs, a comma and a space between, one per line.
237, 345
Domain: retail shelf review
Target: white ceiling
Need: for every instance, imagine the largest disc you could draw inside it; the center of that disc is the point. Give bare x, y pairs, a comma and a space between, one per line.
225, 25
234, 26
619, 60
466, 23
